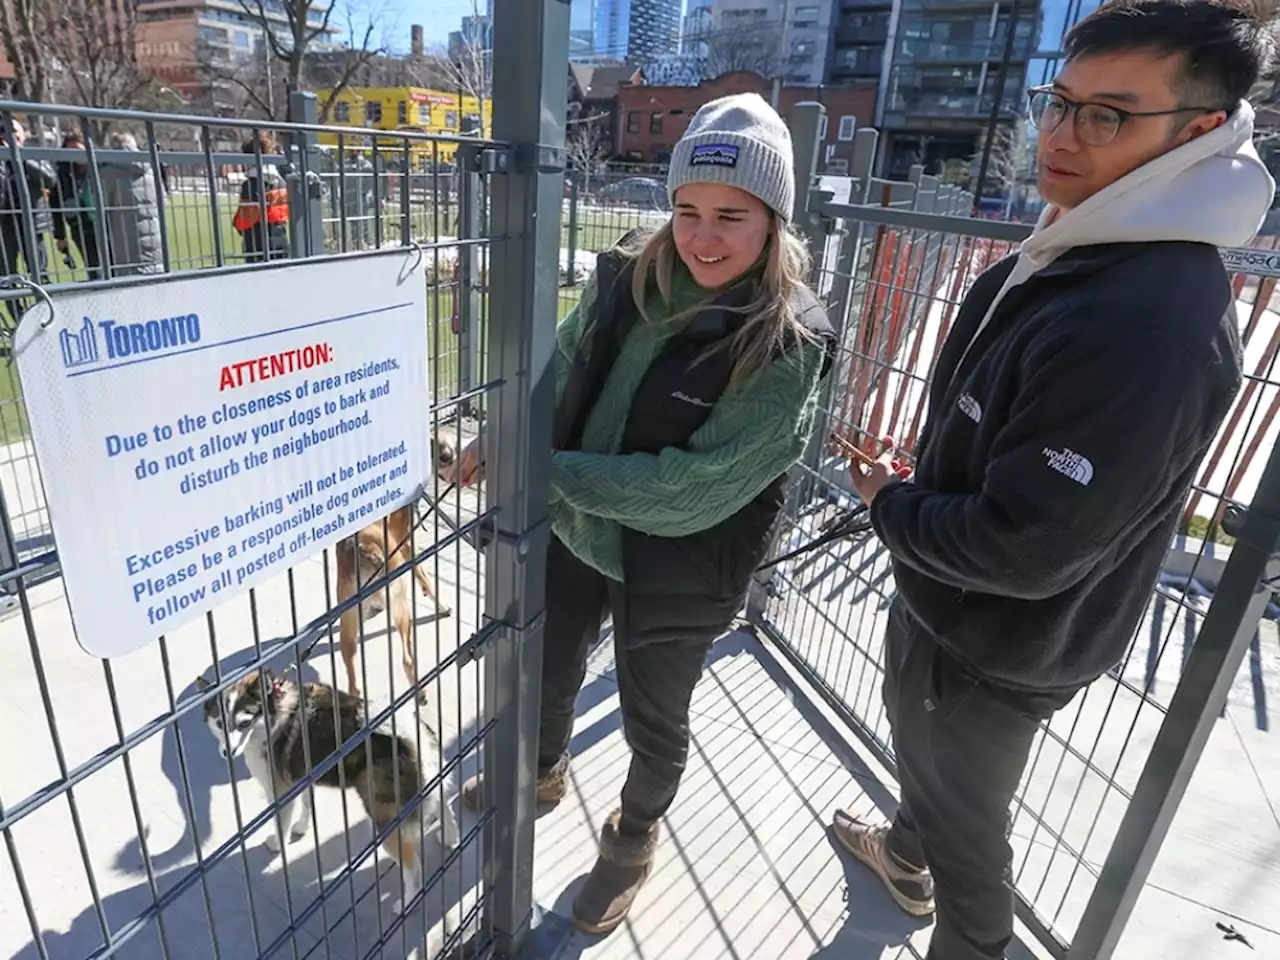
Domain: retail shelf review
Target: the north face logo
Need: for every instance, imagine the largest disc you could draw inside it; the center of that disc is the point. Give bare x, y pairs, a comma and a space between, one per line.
1070, 464
695, 401
970, 407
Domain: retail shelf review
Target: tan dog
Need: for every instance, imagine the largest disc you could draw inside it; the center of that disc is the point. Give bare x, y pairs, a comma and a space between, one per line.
362, 559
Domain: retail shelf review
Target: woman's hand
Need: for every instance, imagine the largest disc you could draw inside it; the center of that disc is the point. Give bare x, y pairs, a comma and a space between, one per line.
466, 470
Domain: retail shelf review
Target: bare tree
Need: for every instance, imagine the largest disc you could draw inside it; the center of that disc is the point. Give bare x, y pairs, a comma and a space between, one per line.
92, 62
21, 27
1010, 159
466, 66
290, 32
1009, 156
754, 48
587, 145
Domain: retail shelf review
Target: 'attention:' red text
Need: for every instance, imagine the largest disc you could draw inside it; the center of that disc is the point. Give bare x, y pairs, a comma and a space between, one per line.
274, 365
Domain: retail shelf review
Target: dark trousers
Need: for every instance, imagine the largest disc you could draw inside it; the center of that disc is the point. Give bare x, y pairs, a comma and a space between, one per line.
961, 746
275, 239
655, 686
85, 238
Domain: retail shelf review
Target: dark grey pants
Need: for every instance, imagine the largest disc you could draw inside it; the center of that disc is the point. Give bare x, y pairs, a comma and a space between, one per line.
961, 745
655, 686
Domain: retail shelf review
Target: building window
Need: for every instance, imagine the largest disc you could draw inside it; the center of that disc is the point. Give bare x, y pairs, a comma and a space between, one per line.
372, 112
342, 112
805, 18
847, 127
451, 119
633, 121
402, 113
424, 114
822, 128
655, 122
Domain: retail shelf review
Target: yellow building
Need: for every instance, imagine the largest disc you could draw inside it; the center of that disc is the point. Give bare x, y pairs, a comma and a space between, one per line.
409, 108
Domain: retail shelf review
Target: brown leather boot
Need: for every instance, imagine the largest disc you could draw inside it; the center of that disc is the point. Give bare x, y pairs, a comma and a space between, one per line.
551, 787
621, 870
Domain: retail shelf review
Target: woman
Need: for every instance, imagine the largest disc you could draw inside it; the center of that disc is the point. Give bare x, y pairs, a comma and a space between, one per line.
687, 381
73, 217
269, 192
131, 211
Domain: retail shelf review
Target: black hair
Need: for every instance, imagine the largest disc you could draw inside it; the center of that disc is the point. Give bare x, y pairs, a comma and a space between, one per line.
1226, 45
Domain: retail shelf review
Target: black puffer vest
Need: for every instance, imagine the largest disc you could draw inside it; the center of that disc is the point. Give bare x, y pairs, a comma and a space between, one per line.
675, 588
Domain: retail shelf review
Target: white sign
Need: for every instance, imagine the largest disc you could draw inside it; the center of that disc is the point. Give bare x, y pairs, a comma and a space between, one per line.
201, 435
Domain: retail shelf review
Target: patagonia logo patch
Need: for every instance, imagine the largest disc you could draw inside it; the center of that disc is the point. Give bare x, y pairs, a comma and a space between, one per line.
714, 155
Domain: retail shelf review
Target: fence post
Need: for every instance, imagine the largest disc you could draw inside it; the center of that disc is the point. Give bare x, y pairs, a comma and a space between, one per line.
1197, 703
571, 272
306, 214
469, 280
530, 49
806, 125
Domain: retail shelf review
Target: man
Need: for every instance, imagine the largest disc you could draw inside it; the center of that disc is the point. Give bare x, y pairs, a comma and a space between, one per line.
1082, 385
40, 178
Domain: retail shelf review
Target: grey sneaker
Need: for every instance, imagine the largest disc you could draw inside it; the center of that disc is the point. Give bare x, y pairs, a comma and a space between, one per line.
910, 886
550, 789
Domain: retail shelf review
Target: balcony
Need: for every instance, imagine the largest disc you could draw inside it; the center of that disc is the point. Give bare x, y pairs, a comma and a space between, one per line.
920, 50
917, 103
857, 62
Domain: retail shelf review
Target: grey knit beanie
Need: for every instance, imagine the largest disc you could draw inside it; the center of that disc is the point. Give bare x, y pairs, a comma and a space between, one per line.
739, 140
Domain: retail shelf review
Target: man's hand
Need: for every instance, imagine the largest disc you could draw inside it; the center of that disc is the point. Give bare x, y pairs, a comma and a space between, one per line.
869, 478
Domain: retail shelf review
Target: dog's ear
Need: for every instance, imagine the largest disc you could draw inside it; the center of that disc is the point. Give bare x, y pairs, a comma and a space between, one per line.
202, 683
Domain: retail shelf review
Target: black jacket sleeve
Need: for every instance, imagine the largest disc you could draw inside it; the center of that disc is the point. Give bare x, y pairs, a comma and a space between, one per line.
1104, 418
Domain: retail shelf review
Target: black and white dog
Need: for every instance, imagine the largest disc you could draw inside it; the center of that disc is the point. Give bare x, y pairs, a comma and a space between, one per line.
385, 773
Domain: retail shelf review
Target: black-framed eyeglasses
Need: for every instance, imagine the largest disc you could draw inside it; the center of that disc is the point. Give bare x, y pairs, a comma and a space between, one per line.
1096, 124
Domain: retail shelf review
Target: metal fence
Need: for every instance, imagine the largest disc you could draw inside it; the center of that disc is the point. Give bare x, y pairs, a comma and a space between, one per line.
1108, 772
125, 834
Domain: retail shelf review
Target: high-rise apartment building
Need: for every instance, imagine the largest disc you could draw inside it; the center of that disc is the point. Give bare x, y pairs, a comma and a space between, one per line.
940, 64
787, 39
630, 31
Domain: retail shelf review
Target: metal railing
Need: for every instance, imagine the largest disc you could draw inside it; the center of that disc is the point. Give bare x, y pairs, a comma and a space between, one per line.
1108, 773
124, 833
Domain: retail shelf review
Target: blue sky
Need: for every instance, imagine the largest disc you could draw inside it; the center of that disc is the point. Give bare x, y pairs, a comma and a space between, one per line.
437, 16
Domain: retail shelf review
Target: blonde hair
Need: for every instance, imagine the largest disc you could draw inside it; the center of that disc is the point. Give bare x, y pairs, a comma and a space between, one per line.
772, 319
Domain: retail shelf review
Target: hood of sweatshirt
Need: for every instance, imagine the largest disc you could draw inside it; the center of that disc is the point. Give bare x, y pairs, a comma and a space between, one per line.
1213, 189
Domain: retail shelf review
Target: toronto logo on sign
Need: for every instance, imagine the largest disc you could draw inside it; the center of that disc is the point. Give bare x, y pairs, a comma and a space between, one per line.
125, 340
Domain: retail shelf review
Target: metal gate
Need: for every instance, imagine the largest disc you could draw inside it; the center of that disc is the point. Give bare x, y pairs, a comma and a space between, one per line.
1108, 774
125, 833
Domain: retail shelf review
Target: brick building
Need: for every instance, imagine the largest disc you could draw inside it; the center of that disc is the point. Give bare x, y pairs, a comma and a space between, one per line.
653, 118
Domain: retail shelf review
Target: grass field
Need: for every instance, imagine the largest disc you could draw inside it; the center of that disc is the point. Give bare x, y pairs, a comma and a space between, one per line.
193, 244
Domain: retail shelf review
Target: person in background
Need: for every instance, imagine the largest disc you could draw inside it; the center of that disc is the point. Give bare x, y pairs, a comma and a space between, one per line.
687, 382
1079, 390
14, 241
263, 239
130, 210
73, 212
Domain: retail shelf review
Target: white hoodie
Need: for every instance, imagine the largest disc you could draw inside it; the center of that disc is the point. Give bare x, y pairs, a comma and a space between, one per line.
1213, 189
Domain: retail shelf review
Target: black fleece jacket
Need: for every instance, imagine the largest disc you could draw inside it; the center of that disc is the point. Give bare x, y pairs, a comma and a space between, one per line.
1056, 458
